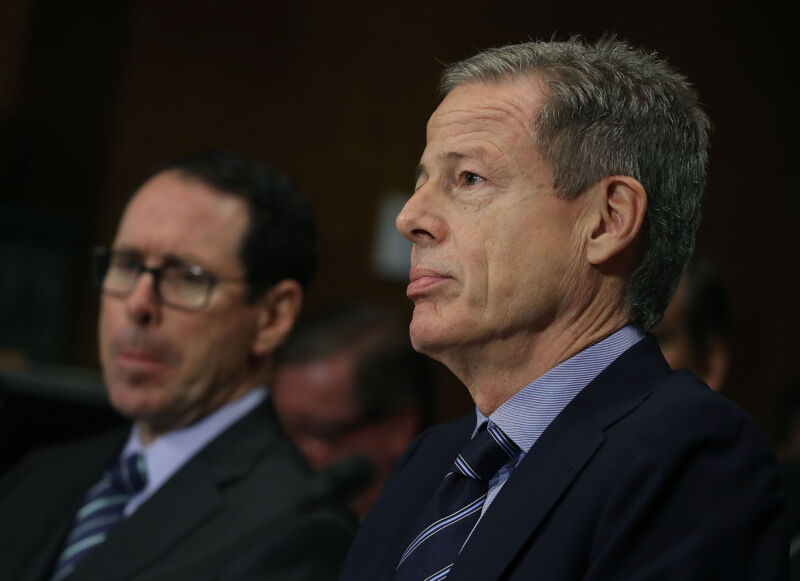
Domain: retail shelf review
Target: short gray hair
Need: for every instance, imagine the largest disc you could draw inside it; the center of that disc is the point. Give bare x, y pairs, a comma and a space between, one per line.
615, 110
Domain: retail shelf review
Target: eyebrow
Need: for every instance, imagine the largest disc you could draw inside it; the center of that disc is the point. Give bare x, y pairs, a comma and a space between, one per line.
175, 260
478, 153
168, 258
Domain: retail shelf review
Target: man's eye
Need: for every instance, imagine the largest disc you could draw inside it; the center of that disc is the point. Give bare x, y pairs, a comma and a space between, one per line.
184, 275
125, 262
191, 277
469, 178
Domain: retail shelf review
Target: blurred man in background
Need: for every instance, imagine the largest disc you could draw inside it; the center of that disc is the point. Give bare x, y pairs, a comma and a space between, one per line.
348, 382
695, 331
202, 283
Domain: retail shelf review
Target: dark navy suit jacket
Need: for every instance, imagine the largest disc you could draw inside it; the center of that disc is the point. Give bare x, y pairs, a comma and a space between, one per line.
646, 474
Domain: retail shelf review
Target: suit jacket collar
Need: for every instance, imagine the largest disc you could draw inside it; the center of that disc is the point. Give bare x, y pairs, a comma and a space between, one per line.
189, 497
92, 458
393, 526
550, 466
557, 458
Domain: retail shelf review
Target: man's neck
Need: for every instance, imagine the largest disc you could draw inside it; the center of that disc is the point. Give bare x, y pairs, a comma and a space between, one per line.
149, 431
494, 372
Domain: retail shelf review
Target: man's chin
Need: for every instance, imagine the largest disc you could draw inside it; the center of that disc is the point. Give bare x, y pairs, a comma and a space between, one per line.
428, 337
137, 403
442, 335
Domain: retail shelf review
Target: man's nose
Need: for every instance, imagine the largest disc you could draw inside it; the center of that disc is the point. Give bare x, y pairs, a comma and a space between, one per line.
418, 221
143, 304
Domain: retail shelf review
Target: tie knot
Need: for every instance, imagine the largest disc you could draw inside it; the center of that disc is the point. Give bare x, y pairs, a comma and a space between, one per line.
130, 475
486, 453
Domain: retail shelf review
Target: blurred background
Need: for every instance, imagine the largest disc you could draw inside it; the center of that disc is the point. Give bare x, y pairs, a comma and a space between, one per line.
93, 95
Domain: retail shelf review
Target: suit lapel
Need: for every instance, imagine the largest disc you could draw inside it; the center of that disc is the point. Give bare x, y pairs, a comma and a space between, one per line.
556, 459
86, 467
414, 483
527, 497
190, 497
186, 500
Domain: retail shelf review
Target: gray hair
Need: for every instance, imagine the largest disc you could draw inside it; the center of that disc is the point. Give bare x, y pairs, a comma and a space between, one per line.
614, 110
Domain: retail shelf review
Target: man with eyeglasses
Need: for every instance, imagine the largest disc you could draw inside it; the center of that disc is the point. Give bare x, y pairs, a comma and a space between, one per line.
203, 282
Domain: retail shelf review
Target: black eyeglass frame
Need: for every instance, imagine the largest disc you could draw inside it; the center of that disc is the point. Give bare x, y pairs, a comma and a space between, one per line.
102, 258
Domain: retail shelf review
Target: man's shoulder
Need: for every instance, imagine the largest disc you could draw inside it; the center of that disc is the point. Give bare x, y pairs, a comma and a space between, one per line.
682, 404
52, 480
640, 394
251, 461
112, 438
683, 427
256, 443
74, 454
265, 514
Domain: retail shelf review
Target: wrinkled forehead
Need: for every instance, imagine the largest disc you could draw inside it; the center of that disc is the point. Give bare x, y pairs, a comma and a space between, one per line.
511, 102
491, 123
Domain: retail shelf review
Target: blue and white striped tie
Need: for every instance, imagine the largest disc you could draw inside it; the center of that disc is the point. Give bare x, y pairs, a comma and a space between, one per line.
102, 509
455, 507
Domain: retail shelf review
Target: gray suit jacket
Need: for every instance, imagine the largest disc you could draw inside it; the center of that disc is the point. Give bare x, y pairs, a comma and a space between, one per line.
244, 507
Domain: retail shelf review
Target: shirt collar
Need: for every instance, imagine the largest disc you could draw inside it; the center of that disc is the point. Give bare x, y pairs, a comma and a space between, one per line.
169, 452
526, 415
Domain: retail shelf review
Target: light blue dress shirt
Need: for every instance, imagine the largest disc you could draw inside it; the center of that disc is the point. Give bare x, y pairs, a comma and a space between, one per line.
527, 413
169, 452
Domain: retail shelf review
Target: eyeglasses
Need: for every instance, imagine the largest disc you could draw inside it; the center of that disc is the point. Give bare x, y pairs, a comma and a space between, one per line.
176, 284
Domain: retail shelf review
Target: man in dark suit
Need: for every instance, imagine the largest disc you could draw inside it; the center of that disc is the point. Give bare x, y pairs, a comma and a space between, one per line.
203, 282
556, 204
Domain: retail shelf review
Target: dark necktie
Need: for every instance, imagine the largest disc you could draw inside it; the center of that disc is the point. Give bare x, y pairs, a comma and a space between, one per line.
101, 510
455, 507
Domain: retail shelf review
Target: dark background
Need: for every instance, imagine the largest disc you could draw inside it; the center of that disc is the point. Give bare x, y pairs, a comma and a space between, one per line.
94, 94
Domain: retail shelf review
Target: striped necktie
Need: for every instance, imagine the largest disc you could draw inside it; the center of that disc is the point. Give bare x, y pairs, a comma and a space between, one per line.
101, 510
455, 507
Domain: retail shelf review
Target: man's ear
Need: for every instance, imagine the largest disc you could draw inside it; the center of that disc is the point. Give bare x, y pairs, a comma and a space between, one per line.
277, 311
616, 215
